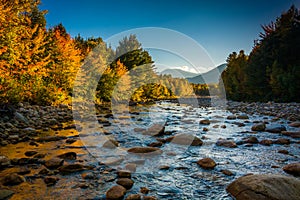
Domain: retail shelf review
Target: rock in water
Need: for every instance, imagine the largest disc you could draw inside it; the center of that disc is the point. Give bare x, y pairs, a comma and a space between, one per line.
4, 162
275, 128
185, 139
125, 182
293, 168
258, 127
145, 150
259, 187
21, 118
226, 143
207, 163
116, 192
54, 163
12, 179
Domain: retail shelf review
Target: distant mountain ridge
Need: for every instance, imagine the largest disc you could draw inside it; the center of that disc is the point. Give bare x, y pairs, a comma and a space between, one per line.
209, 77
178, 73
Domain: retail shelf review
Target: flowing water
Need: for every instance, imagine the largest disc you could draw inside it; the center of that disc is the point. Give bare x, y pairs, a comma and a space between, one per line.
181, 179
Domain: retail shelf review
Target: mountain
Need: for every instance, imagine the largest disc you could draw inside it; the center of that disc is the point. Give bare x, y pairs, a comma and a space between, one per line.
178, 73
211, 76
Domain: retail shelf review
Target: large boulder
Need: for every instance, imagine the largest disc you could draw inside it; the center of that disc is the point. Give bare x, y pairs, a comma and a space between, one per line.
260, 187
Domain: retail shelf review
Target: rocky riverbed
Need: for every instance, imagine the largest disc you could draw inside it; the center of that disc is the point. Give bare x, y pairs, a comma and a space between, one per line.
163, 151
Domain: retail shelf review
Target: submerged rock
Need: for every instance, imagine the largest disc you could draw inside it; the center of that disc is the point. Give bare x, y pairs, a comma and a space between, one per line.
50, 180
71, 168
134, 197
145, 150
295, 124
185, 139
204, 122
68, 156
258, 187
116, 192
207, 163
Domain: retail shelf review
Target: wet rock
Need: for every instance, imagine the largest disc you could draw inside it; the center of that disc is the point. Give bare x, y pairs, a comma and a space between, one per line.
258, 127
124, 174
54, 163
155, 144
164, 167
258, 187
130, 167
185, 139
125, 182
68, 156
111, 143
293, 134
243, 116
70, 140
88, 175
155, 130
116, 192
227, 172
21, 118
252, 140
295, 124
145, 150
50, 138
12, 179
231, 117
204, 122
293, 168
144, 190
71, 168
6, 194
282, 141
30, 153
51, 180
283, 151
223, 126
205, 129
4, 162
206, 163
39, 155
23, 170
226, 143
44, 171
275, 128
134, 197
266, 142
239, 124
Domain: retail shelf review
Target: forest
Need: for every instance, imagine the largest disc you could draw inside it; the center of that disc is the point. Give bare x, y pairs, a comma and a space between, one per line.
39, 65
271, 72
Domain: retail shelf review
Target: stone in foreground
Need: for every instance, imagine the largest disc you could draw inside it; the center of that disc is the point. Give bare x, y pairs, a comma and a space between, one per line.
293, 168
260, 187
115, 193
207, 163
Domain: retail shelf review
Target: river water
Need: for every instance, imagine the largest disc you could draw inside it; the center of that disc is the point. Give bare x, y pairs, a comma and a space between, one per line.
174, 174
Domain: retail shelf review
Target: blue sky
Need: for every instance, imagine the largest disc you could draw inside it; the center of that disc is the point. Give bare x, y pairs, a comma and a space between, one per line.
220, 27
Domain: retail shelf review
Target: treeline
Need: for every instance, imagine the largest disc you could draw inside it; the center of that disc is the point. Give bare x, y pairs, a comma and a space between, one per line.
272, 70
39, 65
